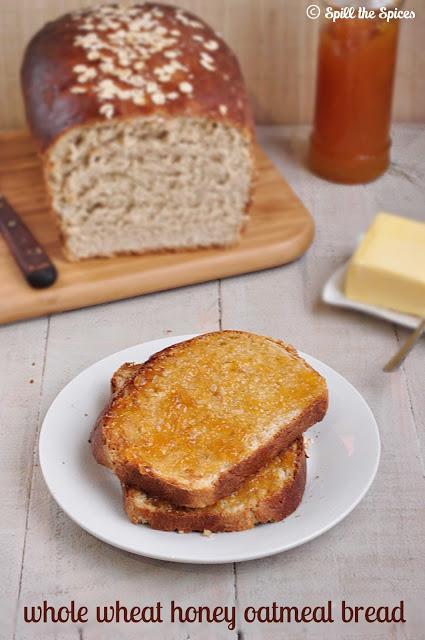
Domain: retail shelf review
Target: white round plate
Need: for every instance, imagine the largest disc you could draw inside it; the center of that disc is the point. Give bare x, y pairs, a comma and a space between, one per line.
343, 454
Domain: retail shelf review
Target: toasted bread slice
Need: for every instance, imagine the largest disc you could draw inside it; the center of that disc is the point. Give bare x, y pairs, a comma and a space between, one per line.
200, 417
269, 496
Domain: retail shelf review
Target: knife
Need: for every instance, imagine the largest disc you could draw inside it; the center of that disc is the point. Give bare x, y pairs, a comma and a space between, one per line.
406, 348
33, 261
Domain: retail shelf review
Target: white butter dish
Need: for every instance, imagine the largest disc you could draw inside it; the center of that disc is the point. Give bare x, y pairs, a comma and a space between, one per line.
333, 293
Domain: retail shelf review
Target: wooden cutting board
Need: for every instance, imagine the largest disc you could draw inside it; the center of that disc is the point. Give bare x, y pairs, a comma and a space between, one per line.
279, 231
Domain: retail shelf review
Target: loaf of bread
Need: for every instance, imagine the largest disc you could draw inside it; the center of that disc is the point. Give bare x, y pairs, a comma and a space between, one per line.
142, 121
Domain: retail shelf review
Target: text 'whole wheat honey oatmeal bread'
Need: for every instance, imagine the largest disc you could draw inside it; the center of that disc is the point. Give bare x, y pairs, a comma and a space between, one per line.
200, 417
142, 121
269, 496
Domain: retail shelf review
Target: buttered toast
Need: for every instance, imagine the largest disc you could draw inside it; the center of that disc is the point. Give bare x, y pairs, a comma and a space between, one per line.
202, 416
269, 496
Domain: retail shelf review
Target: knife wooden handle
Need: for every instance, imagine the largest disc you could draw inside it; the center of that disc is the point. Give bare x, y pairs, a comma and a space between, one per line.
31, 258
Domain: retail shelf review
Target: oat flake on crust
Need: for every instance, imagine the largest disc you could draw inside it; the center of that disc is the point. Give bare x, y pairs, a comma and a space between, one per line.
118, 41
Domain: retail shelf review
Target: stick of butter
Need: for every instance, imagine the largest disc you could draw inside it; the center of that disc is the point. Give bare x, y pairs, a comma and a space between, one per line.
388, 268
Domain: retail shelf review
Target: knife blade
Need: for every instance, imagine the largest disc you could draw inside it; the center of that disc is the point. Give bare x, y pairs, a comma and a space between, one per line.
405, 348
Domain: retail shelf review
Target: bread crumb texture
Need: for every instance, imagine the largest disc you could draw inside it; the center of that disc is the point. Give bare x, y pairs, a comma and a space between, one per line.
148, 184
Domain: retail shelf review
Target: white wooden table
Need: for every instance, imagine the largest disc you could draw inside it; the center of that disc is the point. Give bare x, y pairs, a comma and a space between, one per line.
376, 556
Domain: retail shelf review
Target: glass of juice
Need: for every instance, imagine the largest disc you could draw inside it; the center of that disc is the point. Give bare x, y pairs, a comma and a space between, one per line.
351, 140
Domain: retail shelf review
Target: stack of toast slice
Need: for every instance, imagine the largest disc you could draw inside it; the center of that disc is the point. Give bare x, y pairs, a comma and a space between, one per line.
207, 434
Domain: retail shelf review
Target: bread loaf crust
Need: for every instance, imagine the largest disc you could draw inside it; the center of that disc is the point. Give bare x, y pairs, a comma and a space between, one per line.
50, 80
230, 480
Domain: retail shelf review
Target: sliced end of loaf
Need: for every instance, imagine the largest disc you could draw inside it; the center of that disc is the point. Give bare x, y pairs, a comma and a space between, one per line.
149, 183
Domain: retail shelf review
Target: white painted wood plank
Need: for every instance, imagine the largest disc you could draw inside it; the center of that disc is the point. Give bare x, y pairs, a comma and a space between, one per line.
22, 351
373, 556
63, 562
414, 370
407, 195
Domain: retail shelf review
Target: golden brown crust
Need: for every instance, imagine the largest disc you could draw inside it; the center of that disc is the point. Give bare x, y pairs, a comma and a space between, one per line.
274, 508
229, 481
49, 76
121, 377
97, 443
